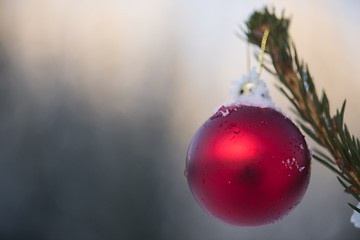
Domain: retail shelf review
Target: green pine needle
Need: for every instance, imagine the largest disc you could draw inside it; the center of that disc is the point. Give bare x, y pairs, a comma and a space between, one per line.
328, 131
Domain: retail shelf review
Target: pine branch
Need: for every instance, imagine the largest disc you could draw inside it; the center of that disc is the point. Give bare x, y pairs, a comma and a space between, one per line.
327, 130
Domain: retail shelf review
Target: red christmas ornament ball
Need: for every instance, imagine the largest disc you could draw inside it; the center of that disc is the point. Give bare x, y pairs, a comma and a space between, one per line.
248, 166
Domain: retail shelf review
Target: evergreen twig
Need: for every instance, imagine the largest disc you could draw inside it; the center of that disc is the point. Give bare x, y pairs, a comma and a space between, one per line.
327, 130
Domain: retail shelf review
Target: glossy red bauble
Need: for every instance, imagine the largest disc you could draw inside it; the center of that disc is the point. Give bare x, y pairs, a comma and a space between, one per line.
248, 166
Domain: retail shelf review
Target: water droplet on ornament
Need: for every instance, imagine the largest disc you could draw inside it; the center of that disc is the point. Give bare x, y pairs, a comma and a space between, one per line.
302, 146
237, 130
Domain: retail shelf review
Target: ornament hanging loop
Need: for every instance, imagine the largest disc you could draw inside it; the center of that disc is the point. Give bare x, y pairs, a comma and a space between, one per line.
250, 85
263, 46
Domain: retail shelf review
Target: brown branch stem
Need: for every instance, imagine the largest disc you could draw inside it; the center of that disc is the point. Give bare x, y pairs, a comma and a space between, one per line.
279, 51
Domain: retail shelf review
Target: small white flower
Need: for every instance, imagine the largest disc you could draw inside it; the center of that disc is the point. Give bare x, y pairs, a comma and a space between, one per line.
257, 96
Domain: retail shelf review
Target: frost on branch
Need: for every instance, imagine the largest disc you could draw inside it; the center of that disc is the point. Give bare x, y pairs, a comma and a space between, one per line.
355, 218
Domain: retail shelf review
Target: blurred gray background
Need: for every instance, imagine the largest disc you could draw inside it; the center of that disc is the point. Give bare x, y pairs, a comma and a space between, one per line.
100, 99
